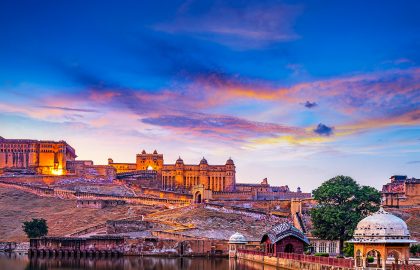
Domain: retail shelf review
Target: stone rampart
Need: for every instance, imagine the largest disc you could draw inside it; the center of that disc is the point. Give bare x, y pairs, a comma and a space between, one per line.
68, 194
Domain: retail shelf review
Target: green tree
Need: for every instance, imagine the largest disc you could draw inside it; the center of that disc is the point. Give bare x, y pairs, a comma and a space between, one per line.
35, 228
348, 249
342, 203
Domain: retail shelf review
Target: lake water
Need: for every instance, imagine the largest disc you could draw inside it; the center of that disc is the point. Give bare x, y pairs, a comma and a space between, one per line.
22, 262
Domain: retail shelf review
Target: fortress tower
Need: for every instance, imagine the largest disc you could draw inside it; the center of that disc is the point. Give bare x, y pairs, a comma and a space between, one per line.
146, 161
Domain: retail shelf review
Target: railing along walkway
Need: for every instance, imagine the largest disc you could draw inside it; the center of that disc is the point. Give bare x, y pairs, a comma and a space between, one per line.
305, 258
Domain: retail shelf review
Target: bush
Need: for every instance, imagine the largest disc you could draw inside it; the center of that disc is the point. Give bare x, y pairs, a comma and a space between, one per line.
370, 259
348, 249
308, 252
340, 257
414, 249
322, 254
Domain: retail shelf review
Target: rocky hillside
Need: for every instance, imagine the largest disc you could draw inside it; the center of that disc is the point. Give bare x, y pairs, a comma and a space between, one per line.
62, 215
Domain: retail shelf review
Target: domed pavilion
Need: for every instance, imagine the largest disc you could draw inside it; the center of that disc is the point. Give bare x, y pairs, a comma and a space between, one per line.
236, 241
381, 235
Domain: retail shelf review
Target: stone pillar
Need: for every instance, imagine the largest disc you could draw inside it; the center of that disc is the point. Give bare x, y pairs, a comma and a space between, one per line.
384, 261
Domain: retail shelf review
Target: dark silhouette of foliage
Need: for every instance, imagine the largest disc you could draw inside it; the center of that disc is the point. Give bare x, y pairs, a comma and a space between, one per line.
35, 228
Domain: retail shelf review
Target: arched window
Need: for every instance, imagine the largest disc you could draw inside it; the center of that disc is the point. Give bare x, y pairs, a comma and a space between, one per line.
359, 262
289, 248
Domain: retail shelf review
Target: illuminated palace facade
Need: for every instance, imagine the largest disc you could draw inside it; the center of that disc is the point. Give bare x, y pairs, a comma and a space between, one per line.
180, 175
33, 156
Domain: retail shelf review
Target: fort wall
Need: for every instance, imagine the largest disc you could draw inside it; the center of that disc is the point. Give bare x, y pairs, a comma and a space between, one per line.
69, 194
115, 245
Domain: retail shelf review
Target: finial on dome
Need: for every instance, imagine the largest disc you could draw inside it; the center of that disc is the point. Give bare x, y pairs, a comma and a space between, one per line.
179, 160
203, 161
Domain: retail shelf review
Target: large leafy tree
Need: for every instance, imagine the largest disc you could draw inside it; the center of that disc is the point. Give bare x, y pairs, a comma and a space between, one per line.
35, 228
342, 203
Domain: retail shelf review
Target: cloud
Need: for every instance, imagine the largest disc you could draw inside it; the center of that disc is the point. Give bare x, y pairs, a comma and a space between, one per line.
237, 129
235, 25
323, 130
68, 109
367, 101
413, 162
406, 119
310, 105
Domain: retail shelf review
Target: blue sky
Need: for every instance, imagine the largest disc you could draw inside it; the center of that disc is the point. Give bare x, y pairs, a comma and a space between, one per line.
296, 91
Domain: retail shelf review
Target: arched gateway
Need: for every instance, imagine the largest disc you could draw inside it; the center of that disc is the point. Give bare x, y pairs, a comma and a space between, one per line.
197, 197
200, 194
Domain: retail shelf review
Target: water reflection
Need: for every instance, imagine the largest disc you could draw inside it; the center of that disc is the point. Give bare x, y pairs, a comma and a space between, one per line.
22, 262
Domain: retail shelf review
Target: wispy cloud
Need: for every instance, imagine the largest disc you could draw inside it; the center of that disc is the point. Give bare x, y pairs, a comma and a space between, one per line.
413, 162
369, 102
68, 109
228, 127
252, 25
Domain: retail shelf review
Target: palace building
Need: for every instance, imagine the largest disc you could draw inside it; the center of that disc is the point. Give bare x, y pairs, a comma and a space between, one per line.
401, 191
36, 157
180, 175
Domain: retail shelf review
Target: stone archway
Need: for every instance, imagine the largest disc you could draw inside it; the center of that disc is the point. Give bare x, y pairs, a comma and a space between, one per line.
198, 198
200, 194
376, 258
395, 255
289, 248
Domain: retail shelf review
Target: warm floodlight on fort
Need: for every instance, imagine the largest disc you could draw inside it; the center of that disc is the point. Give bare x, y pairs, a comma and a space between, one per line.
57, 172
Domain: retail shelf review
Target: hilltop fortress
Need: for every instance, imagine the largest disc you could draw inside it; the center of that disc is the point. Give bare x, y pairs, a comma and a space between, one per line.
55, 160
180, 175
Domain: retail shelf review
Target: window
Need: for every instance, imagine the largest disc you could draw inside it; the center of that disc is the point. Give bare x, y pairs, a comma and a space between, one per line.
322, 247
333, 247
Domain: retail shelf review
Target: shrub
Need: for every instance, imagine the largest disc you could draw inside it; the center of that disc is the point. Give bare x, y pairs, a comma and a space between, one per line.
322, 254
414, 249
370, 259
348, 249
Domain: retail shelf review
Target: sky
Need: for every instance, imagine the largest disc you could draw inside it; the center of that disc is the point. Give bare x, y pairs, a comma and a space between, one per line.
295, 91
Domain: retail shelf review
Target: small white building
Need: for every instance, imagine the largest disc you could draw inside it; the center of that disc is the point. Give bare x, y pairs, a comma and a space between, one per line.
236, 241
332, 247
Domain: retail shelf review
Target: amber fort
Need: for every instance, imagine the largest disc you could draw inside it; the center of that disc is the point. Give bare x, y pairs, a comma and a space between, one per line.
151, 206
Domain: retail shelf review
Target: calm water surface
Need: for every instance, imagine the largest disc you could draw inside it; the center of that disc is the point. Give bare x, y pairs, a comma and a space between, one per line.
22, 262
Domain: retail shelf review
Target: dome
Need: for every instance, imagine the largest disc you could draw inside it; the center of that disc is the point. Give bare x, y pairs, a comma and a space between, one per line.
230, 162
143, 152
381, 227
237, 238
203, 161
155, 152
179, 161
